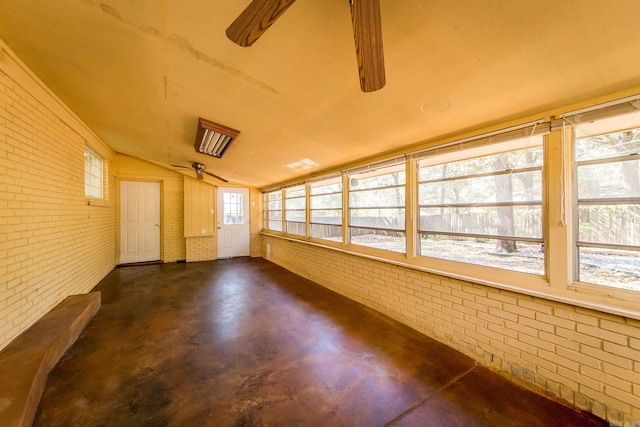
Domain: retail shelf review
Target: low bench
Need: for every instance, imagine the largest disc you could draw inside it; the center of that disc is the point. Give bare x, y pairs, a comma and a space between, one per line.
27, 360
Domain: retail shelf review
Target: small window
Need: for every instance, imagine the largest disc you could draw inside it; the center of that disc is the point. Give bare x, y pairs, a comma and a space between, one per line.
377, 208
295, 210
607, 166
484, 209
233, 208
325, 201
93, 166
274, 210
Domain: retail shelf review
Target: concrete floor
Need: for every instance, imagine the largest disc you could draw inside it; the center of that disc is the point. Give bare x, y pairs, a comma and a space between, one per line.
244, 342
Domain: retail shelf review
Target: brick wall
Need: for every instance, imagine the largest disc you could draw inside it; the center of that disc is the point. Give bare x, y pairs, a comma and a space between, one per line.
174, 246
586, 358
52, 242
202, 248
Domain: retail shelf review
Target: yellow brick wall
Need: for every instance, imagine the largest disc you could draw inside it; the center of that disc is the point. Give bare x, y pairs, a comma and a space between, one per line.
52, 242
586, 358
203, 248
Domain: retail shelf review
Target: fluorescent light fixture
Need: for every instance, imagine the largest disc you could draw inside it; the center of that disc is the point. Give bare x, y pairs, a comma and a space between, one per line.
213, 138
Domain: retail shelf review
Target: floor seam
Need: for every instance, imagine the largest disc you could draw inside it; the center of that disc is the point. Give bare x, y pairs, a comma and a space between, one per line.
431, 395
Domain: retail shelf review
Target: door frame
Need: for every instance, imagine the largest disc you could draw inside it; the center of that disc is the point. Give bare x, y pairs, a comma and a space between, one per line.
118, 207
220, 217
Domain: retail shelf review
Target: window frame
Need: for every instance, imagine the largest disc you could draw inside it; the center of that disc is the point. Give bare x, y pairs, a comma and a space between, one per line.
577, 202
406, 207
267, 211
90, 155
558, 230
286, 210
489, 149
335, 180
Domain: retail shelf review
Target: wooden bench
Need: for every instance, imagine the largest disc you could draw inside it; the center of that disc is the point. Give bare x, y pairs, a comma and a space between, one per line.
27, 360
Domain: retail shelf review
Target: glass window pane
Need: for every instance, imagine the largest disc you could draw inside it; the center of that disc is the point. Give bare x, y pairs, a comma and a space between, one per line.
274, 210
327, 188
510, 221
608, 202
297, 215
513, 187
327, 216
525, 257
393, 197
609, 180
611, 224
93, 178
297, 203
387, 218
610, 267
376, 208
298, 228
327, 232
233, 208
525, 158
380, 239
275, 225
476, 230
613, 144
326, 201
378, 178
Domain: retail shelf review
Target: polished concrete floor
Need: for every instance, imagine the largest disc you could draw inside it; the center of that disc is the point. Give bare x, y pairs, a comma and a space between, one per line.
244, 342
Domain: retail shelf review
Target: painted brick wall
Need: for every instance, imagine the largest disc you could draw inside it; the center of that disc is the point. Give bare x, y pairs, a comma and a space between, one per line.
52, 243
174, 248
586, 358
203, 248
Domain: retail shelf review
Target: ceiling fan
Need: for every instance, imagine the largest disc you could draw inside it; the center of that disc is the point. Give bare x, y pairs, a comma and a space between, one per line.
367, 33
200, 169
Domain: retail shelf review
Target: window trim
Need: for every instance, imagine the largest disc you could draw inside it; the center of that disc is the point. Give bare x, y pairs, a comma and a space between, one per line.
92, 198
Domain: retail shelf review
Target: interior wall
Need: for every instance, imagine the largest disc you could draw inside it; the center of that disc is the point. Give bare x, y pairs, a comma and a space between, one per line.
586, 358
53, 243
173, 247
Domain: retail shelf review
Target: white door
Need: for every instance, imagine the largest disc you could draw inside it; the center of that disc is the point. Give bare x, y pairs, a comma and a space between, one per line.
233, 222
139, 221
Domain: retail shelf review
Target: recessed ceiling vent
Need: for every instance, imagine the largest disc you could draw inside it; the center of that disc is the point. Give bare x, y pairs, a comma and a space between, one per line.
213, 138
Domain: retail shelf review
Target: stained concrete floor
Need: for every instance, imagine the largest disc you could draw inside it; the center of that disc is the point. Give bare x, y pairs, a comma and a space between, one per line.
244, 342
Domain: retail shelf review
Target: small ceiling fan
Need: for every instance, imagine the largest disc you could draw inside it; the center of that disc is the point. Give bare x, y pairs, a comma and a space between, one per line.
200, 169
367, 33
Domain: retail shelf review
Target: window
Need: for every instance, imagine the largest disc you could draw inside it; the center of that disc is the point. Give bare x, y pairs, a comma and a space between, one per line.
92, 174
484, 209
295, 206
607, 170
325, 201
233, 208
377, 208
274, 210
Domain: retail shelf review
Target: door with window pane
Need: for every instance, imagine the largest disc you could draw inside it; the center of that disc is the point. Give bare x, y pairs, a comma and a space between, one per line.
233, 222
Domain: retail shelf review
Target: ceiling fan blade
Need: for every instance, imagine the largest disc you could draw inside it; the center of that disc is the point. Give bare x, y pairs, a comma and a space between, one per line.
178, 166
215, 176
255, 20
199, 175
367, 33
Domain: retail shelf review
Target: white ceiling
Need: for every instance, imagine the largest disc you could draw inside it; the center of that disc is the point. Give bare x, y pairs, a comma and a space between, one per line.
140, 73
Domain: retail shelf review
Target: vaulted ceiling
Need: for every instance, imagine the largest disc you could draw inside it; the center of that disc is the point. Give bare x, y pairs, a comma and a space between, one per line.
140, 73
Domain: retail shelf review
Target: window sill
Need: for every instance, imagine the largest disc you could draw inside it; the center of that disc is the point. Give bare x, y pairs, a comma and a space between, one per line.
96, 202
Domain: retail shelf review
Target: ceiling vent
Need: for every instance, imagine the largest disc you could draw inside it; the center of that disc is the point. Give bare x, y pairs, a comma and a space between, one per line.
213, 138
